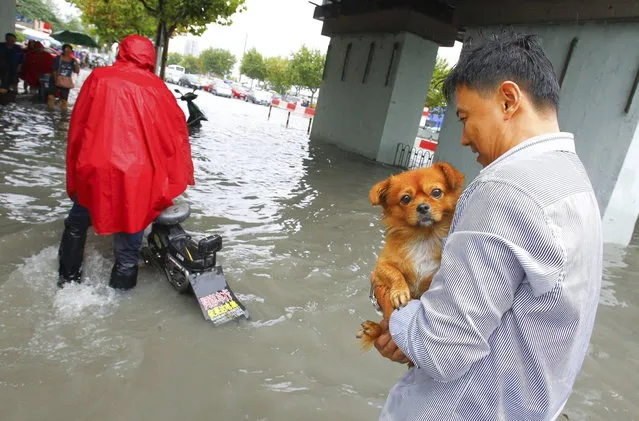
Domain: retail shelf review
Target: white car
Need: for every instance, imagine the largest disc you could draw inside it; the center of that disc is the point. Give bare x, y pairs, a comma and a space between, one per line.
222, 89
173, 73
259, 97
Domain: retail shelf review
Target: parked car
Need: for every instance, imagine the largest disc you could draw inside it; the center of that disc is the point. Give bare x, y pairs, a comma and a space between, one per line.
238, 92
291, 98
190, 81
173, 73
222, 89
207, 84
426, 132
257, 96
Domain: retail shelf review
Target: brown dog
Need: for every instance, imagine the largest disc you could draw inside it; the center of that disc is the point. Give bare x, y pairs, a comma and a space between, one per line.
418, 209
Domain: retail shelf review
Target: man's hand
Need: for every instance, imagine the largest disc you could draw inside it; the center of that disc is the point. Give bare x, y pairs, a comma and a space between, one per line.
386, 346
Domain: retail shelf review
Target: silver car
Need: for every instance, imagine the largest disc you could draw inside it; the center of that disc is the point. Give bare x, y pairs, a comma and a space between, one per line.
222, 89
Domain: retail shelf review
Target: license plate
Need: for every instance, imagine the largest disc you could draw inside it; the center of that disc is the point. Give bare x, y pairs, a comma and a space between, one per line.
216, 299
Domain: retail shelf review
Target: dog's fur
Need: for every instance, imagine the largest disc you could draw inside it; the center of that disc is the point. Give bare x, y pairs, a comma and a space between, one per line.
412, 250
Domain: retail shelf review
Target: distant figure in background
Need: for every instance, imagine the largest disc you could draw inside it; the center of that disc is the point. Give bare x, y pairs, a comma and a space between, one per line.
37, 62
62, 71
26, 52
11, 58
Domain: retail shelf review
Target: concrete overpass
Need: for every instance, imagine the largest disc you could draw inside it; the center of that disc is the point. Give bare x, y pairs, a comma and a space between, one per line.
380, 60
7, 17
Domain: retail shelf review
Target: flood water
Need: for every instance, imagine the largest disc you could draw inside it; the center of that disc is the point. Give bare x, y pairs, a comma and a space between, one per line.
300, 239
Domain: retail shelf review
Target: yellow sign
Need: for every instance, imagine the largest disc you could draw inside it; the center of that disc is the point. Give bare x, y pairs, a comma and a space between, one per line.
221, 309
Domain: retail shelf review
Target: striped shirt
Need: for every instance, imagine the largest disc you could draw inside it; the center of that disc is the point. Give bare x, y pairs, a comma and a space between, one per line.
504, 328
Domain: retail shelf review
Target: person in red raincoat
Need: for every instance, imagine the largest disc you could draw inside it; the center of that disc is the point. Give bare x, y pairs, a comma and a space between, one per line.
128, 157
37, 62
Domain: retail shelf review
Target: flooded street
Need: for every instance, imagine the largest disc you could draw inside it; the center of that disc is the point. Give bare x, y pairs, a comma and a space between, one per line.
300, 240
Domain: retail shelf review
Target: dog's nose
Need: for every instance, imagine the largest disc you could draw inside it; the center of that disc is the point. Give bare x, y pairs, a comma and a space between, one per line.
423, 208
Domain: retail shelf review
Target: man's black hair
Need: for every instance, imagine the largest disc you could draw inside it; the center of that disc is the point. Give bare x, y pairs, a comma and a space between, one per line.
506, 56
67, 45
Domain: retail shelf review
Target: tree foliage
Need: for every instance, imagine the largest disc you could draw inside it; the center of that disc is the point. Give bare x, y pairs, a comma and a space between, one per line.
253, 65
38, 10
112, 20
435, 97
191, 64
174, 58
307, 67
217, 60
46, 11
278, 74
179, 16
73, 24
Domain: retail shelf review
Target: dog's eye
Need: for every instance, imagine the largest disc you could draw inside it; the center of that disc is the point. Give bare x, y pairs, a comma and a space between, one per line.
405, 200
436, 193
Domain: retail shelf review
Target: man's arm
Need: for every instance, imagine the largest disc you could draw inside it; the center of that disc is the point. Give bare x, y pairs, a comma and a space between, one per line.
501, 240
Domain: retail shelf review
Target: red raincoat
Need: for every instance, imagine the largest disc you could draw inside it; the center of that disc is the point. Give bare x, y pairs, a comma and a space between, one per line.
128, 152
36, 63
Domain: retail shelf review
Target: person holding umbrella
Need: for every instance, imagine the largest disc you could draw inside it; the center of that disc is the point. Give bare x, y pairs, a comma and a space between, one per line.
63, 68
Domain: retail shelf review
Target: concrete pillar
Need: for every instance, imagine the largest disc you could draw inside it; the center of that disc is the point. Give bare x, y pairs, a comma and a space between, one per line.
7, 17
597, 104
373, 92
621, 214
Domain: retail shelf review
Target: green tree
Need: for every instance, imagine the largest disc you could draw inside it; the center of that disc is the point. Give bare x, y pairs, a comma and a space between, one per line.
278, 74
217, 60
46, 11
253, 65
174, 58
192, 16
306, 68
73, 24
435, 97
37, 10
191, 64
112, 20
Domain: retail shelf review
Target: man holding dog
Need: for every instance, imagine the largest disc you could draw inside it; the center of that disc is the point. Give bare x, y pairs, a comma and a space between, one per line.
504, 328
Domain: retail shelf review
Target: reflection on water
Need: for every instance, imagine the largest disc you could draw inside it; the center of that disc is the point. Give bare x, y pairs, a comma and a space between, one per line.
300, 239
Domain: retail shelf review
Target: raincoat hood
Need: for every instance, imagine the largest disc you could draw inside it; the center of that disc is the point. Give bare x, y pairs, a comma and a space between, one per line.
137, 50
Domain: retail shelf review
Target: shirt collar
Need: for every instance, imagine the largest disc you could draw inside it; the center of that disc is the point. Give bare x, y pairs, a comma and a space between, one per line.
560, 141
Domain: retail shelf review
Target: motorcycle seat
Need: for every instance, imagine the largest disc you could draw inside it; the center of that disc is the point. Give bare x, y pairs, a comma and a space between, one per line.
174, 215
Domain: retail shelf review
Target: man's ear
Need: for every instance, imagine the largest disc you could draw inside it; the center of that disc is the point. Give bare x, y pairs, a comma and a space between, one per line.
454, 178
510, 96
379, 192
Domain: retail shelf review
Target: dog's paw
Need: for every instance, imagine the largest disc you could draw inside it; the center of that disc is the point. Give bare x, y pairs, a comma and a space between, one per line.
369, 332
400, 296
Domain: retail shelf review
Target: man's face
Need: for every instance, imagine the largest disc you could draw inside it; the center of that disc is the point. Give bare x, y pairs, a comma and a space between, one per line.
484, 124
11, 40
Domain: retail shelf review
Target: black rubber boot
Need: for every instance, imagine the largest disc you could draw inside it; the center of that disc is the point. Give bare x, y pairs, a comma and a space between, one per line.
71, 254
123, 278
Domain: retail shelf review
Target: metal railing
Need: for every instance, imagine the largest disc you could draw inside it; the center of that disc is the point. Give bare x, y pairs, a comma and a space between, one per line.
410, 157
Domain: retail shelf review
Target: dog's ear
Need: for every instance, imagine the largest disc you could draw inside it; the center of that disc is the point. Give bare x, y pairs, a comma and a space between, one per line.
379, 192
454, 178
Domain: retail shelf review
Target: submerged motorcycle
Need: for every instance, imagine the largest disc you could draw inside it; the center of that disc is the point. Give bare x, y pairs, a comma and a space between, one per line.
196, 115
190, 265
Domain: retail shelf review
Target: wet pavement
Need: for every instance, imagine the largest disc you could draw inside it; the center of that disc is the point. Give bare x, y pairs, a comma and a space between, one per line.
300, 239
